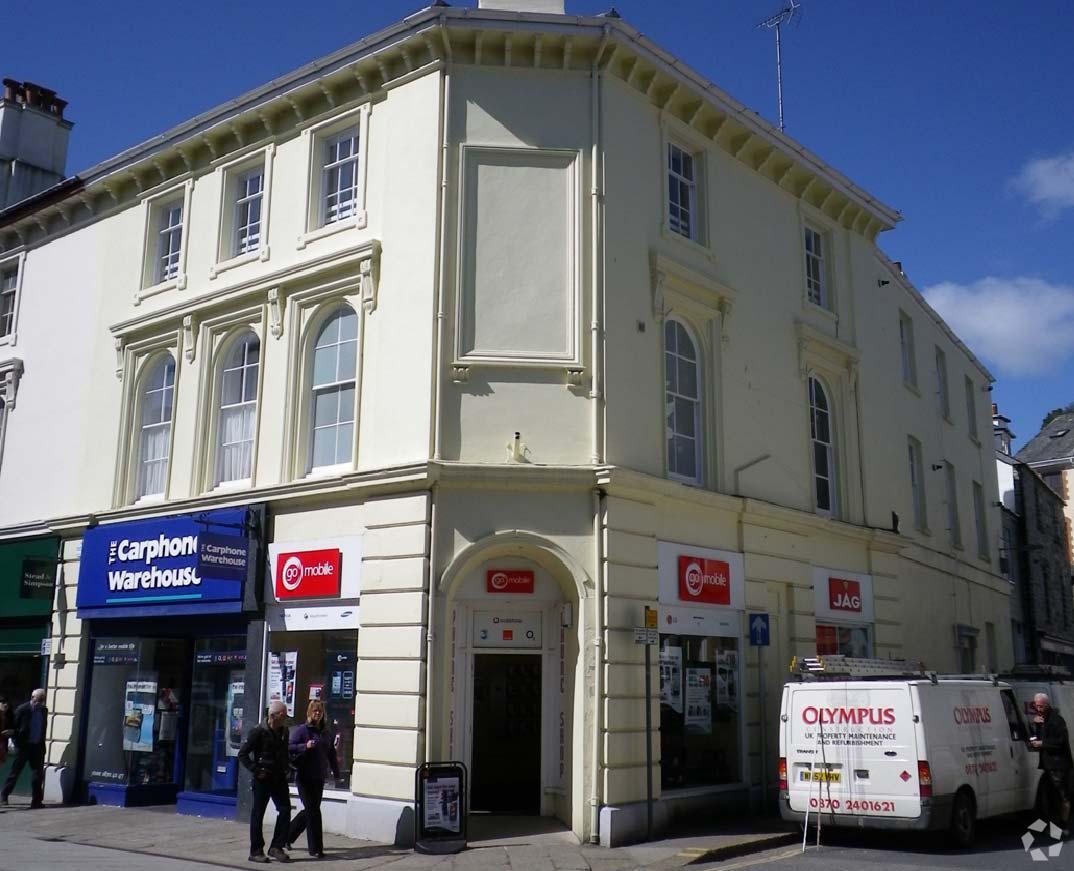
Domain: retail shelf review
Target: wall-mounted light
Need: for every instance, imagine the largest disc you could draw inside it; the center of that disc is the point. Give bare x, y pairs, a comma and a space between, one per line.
937, 466
882, 282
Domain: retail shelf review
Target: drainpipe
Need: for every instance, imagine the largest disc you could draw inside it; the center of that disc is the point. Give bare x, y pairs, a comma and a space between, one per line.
598, 655
430, 633
596, 169
441, 233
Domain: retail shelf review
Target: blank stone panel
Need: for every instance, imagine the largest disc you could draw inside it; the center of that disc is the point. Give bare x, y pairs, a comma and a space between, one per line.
518, 282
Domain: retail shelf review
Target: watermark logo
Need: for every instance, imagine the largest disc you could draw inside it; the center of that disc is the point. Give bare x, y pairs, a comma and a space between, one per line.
1055, 836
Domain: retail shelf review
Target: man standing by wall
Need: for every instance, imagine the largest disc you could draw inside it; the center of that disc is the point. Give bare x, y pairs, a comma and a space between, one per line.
30, 720
265, 754
1053, 743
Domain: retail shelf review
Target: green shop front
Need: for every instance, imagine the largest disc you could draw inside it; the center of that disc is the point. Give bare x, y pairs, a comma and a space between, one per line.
27, 582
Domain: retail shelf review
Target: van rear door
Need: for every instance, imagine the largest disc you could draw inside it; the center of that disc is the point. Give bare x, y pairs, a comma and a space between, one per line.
852, 749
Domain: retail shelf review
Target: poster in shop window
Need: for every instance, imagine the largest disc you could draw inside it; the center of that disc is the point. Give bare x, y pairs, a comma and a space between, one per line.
699, 700
671, 678
283, 671
442, 803
727, 679
139, 709
236, 694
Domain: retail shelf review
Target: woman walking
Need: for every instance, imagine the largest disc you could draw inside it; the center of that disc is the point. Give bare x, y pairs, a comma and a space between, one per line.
314, 755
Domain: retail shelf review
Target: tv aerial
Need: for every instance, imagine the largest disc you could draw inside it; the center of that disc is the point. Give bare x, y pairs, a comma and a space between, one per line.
776, 22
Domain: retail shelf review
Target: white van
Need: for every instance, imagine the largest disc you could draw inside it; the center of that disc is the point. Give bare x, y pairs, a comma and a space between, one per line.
904, 753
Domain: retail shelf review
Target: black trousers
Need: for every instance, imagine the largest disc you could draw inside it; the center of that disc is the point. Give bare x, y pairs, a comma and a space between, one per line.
309, 818
34, 756
277, 791
1059, 799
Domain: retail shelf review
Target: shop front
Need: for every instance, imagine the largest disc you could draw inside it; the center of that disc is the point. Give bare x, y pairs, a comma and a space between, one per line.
843, 604
312, 593
27, 582
172, 611
701, 602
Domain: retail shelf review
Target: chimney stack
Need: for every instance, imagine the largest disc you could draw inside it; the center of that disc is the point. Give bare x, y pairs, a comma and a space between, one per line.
33, 140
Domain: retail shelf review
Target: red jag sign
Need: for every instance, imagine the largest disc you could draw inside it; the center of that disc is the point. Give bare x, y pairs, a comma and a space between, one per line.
844, 595
308, 574
704, 580
509, 581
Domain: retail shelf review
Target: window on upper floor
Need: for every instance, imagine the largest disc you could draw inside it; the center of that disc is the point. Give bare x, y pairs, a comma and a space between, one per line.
332, 403
816, 266
249, 191
237, 423
169, 240
9, 285
682, 403
821, 439
917, 485
943, 396
339, 177
971, 408
682, 192
156, 402
954, 530
906, 349
980, 519
1007, 554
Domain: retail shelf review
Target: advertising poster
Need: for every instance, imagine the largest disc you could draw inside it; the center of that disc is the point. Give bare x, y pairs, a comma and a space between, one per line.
283, 669
139, 709
727, 678
442, 804
236, 694
699, 700
671, 678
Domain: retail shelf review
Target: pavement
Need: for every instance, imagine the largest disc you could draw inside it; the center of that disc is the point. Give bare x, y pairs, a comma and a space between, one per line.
109, 837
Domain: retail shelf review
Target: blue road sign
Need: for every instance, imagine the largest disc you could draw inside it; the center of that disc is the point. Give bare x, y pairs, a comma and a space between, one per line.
758, 624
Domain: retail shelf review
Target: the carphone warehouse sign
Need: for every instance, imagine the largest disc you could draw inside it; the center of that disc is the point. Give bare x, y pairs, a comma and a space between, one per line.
186, 564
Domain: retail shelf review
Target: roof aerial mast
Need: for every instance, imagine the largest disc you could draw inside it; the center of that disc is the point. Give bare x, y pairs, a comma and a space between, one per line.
776, 22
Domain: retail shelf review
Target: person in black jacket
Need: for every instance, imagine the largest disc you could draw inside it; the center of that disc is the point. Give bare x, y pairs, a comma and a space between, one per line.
314, 755
264, 754
1056, 762
30, 720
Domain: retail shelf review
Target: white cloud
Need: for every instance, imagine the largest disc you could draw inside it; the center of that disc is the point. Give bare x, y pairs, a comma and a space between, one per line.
1048, 183
1025, 326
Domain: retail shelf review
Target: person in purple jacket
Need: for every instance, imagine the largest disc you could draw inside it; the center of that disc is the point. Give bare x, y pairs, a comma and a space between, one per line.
313, 754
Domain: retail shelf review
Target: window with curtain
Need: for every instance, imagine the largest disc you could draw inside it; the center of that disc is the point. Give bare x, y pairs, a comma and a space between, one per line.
820, 431
335, 354
238, 411
155, 427
682, 403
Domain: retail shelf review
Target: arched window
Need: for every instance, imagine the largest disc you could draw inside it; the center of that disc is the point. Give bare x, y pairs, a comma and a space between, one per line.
154, 438
238, 410
335, 353
682, 403
820, 432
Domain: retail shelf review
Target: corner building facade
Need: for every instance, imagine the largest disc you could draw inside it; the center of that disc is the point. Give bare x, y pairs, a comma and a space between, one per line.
530, 329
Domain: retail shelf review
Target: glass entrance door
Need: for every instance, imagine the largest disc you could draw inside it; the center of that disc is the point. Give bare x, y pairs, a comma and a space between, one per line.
506, 755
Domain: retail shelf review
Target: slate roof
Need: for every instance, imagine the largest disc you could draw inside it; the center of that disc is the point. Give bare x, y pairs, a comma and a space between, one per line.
1048, 444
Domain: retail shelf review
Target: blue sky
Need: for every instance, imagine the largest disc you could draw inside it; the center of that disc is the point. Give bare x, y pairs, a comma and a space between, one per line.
957, 113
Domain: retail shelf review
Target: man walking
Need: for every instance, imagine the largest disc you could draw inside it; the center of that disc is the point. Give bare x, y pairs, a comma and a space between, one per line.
30, 720
264, 754
1053, 743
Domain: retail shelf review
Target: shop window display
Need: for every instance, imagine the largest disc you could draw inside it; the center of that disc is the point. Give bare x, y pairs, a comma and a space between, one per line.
137, 697
843, 641
317, 665
217, 714
700, 740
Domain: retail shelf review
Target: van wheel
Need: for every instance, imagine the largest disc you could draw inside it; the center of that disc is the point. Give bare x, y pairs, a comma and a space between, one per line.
963, 819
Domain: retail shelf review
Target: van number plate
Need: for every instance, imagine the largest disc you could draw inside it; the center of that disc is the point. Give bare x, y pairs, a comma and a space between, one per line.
819, 776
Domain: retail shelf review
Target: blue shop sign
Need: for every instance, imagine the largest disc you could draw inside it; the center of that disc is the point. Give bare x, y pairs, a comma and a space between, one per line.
189, 564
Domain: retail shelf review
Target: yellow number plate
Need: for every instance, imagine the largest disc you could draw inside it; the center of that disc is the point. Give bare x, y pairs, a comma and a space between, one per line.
819, 776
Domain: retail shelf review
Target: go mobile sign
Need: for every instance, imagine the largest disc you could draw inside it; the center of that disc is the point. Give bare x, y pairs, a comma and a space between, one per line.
509, 581
309, 574
699, 577
314, 569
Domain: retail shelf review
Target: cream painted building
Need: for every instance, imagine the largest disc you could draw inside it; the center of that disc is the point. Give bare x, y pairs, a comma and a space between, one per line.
498, 328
